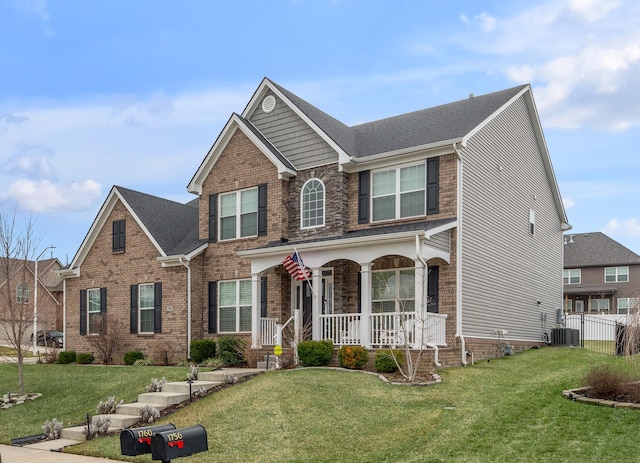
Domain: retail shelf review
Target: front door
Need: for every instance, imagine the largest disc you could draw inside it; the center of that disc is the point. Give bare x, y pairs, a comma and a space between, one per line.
303, 299
579, 305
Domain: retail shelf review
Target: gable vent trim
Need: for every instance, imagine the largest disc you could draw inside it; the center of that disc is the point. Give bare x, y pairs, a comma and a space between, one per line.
269, 103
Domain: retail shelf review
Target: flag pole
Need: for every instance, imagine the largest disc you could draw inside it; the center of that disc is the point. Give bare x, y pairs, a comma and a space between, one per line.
306, 275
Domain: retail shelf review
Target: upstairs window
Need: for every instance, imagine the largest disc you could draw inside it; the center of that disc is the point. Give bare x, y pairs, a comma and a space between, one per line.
239, 214
616, 274
312, 206
532, 222
398, 193
22, 294
118, 236
572, 276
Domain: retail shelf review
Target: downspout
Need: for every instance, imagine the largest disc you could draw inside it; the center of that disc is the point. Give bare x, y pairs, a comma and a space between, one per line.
425, 274
460, 172
185, 263
64, 313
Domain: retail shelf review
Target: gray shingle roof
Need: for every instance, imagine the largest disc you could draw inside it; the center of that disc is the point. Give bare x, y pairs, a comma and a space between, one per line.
438, 124
595, 250
173, 225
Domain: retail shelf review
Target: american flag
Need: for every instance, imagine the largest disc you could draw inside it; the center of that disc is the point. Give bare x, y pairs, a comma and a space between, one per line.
294, 265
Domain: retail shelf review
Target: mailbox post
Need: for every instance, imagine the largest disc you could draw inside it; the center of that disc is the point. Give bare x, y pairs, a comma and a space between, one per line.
167, 445
137, 441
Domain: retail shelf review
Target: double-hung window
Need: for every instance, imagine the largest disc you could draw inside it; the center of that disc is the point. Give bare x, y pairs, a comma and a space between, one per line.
94, 318
239, 214
22, 294
146, 303
572, 276
393, 290
626, 303
234, 306
312, 204
398, 193
616, 274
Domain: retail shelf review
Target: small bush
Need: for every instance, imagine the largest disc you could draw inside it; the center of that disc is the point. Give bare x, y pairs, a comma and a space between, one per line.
353, 357
131, 357
202, 349
143, 363
67, 356
384, 362
193, 373
108, 406
52, 429
85, 358
149, 413
607, 383
231, 350
99, 427
156, 384
215, 363
315, 353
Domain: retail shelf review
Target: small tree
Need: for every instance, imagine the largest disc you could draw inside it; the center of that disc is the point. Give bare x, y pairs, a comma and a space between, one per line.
17, 245
104, 344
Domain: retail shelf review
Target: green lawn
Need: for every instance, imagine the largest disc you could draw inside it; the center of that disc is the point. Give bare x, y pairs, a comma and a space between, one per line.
506, 410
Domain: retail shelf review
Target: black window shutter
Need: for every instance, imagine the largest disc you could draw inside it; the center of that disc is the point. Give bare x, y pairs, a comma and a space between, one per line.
363, 197
433, 174
263, 297
262, 209
133, 317
118, 236
157, 308
103, 308
359, 292
83, 312
213, 217
213, 306
432, 292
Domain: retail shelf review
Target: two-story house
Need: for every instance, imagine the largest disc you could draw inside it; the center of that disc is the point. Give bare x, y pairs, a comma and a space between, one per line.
601, 276
448, 218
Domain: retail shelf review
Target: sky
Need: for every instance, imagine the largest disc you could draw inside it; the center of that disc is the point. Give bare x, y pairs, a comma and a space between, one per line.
134, 93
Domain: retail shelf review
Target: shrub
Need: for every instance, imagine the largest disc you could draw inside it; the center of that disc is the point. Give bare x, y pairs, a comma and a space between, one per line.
99, 427
67, 356
231, 349
131, 357
149, 413
156, 384
143, 363
193, 373
215, 362
606, 382
108, 406
315, 353
52, 429
202, 349
384, 362
85, 358
353, 357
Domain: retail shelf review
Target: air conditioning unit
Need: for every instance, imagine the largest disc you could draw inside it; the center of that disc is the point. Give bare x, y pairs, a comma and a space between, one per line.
565, 337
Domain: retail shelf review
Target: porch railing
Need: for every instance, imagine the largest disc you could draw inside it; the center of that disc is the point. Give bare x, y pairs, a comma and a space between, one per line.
268, 331
386, 329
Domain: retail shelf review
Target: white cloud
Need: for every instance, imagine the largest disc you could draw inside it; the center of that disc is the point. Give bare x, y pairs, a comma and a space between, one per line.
568, 202
628, 228
486, 21
45, 196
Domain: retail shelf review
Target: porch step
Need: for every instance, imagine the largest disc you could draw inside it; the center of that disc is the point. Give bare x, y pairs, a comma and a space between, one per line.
77, 433
135, 407
269, 362
163, 398
218, 375
183, 386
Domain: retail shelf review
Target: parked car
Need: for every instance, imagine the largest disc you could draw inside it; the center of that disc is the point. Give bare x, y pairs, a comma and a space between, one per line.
51, 338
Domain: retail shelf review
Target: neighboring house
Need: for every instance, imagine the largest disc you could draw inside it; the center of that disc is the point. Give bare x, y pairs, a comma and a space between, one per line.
601, 276
20, 288
450, 216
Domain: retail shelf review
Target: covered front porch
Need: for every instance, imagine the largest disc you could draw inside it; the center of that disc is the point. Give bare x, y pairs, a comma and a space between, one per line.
374, 290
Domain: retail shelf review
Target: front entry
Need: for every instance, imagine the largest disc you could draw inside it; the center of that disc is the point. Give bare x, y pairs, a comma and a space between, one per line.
303, 299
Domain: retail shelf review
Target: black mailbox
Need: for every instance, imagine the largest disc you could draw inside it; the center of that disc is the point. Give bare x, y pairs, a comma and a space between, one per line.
137, 441
183, 442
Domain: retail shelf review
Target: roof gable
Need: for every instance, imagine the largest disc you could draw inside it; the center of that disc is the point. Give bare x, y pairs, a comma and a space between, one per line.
596, 250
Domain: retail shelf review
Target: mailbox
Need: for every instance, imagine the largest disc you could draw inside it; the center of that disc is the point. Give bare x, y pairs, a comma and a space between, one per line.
168, 445
137, 441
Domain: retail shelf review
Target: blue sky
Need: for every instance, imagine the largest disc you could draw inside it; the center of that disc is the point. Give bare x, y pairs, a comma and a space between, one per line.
101, 93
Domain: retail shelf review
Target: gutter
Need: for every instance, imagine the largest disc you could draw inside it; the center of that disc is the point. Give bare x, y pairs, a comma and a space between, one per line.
459, 259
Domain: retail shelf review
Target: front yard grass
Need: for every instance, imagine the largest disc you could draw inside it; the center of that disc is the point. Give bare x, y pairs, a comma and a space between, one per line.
505, 410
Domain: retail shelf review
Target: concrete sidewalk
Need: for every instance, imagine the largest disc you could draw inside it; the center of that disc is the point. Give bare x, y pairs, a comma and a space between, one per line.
43, 454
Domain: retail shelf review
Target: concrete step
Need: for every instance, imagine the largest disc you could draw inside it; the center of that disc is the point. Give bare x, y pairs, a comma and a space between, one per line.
121, 421
218, 375
134, 408
183, 386
77, 433
163, 398
271, 365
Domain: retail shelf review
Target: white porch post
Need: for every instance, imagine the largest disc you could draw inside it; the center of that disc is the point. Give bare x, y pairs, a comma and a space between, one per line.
316, 302
420, 282
365, 304
255, 311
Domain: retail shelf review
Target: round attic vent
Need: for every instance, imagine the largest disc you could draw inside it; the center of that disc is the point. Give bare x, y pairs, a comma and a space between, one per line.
268, 103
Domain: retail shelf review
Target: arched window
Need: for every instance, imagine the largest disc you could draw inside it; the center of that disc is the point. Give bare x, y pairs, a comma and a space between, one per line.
312, 210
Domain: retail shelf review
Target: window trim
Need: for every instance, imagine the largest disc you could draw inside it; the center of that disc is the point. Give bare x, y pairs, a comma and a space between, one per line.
398, 194
238, 214
617, 274
302, 204
397, 297
237, 306
569, 276
89, 311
